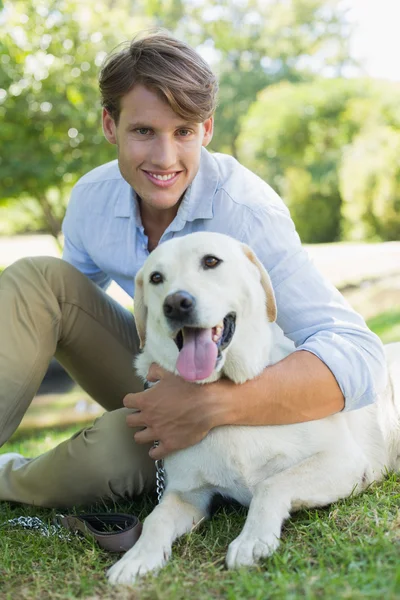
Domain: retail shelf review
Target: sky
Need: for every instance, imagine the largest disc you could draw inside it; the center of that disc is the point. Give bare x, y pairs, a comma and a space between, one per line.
377, 36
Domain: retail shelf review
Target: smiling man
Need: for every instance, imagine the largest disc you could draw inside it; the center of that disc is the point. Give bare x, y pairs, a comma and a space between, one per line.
158, 154
159, 98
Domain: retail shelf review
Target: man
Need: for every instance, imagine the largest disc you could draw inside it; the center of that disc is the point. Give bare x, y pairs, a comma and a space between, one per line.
159, 99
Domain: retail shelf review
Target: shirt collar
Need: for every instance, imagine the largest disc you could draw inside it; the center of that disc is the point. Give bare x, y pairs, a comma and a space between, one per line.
197, 202
125, 205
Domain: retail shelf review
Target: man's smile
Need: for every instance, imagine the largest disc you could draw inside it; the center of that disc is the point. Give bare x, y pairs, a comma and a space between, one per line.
163, 180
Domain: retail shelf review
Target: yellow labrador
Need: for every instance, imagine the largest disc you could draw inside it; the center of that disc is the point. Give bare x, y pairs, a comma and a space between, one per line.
204, 308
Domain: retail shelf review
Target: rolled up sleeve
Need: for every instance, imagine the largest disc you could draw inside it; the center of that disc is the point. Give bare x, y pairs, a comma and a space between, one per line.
313, 313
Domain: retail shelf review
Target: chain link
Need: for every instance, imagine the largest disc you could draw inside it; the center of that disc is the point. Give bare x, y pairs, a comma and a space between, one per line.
45, 529
161, 476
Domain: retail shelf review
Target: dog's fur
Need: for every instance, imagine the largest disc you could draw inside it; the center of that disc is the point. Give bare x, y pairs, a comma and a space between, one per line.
273, 470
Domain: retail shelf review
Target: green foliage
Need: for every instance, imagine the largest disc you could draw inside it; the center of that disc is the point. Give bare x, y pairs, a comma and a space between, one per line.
51, 51
370, 169
295, 136
255, 43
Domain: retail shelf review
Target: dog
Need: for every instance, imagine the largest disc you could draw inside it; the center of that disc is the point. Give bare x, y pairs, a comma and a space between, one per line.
205, 309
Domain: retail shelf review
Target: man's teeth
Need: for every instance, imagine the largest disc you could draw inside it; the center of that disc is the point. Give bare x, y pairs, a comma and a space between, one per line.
163, 177
217, 333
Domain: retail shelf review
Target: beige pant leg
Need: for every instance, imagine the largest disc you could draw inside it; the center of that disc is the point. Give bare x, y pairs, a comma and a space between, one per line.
49, 308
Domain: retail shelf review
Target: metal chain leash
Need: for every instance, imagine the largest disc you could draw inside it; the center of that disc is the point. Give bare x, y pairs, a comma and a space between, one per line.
45, 529
161, 476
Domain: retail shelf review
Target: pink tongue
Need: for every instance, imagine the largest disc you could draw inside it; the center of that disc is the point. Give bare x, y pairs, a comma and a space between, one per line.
196, 360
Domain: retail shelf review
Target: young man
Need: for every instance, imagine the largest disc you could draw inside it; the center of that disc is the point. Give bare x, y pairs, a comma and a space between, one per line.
159, 99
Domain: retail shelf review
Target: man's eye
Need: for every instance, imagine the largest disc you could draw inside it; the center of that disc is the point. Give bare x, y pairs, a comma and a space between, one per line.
184, 132
142, 130
156, 277
210, 262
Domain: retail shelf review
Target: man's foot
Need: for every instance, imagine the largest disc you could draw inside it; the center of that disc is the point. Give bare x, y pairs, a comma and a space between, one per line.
10, 456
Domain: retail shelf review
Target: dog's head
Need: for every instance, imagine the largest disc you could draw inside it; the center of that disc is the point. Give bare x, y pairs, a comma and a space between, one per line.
201, 303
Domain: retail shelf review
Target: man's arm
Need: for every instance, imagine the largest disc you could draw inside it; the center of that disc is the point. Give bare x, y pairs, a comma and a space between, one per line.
298, 388
338, 363
179, 414
74, 251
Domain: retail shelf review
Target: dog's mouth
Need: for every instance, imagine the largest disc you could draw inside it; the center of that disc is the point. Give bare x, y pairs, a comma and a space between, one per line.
200, 349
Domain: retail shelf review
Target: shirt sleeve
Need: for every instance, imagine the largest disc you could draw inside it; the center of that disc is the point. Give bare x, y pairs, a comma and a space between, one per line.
313, 313
74, 250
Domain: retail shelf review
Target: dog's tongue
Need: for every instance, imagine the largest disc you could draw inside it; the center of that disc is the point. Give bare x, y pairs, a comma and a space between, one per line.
196, 360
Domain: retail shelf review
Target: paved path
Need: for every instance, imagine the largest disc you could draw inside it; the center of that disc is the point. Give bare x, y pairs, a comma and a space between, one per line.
342, 263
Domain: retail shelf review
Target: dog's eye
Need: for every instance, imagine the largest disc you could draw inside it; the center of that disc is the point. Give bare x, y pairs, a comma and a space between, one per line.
210, 262
156, 277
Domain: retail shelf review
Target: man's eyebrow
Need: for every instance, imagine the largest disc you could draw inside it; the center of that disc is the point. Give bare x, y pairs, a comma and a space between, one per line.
144, 125
138, 125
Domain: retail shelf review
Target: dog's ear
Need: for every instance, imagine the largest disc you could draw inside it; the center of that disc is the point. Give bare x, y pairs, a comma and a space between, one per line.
265, 282
139, 308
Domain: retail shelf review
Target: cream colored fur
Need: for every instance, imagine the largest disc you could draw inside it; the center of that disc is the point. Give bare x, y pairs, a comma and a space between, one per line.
273, 470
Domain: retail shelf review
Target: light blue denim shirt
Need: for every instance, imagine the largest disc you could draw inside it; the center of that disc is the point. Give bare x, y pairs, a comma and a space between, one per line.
105, 239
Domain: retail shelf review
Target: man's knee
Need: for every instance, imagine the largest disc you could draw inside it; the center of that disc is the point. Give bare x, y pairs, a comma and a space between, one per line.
40, 273
117, 465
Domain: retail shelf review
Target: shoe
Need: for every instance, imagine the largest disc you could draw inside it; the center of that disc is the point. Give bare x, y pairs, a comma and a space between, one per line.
8, 457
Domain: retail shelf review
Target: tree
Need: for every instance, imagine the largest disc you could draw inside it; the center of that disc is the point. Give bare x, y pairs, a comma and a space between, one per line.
293, 137
51, 52
256, 43
370, 184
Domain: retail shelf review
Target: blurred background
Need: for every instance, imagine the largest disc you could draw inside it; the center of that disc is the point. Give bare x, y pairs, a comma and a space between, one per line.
309, 100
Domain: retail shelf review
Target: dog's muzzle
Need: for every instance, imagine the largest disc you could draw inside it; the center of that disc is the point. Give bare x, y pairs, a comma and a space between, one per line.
200, 349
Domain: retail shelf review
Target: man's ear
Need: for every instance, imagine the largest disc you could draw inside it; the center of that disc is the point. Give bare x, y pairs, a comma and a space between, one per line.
140, 309
109, 127
265, 282
208, 130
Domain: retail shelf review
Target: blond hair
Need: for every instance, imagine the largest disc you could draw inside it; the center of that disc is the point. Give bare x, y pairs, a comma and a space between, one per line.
166, 65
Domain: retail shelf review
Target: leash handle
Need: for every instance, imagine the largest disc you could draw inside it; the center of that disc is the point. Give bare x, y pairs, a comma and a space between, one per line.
114, 532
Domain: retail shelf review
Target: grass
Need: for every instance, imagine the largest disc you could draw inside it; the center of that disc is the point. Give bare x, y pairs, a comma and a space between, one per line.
349, 550
386, 325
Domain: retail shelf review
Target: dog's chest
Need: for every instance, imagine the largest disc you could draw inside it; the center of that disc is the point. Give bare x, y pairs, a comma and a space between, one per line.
232, 461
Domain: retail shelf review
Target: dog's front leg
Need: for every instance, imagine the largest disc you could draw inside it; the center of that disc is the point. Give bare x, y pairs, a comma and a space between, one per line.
317, 481
173, 517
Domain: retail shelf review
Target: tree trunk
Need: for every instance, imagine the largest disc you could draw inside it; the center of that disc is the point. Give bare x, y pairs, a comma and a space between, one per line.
53, 222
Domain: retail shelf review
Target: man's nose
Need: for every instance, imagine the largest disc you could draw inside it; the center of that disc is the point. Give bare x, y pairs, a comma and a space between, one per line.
163, 153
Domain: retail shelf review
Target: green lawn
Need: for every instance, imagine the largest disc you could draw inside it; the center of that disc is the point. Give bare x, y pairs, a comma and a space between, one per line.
387, 326
348, 550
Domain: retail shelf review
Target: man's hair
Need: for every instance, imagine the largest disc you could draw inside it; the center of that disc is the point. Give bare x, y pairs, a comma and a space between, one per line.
165, 65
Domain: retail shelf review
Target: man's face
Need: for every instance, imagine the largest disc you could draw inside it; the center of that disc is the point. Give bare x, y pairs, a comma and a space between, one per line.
158, 151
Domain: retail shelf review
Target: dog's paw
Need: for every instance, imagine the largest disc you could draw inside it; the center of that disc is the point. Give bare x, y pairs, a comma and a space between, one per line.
135, 564
247, 550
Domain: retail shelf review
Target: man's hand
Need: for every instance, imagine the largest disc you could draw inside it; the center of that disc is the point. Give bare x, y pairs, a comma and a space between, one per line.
179, 414
175, 412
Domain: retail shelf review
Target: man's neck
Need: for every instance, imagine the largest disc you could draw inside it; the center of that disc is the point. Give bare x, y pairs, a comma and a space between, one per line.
155, 222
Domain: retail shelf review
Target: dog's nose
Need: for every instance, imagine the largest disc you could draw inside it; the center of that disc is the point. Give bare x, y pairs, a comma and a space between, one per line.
178, 305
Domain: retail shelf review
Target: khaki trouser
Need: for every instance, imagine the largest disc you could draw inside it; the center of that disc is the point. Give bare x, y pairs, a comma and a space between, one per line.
48, 308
